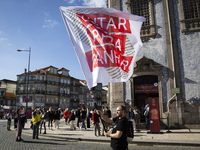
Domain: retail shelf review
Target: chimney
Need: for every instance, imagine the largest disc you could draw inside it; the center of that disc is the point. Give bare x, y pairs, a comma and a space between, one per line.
25, 70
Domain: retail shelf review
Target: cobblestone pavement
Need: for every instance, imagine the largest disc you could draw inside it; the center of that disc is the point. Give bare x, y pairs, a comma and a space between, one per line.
8, 142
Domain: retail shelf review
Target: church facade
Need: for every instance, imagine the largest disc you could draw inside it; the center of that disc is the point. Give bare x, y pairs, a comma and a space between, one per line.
167, 66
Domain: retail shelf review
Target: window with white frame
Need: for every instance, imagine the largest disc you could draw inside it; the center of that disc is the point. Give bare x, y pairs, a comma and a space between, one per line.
55, 71
48, 100
52, 100
56, 100
68, 81
48, 89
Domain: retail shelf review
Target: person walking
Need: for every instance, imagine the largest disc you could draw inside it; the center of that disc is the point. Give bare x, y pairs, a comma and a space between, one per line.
146, 114
132, 117
43, 120
88, 116
119, 133
78, 112
9, 118
36, 122
66, 115
95, 119
19, 125
57, 118
25, 118
83, 115
71, 120
15, 120
137, 116
50, 117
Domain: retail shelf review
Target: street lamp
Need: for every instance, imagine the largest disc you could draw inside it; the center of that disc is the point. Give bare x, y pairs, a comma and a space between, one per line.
28, 72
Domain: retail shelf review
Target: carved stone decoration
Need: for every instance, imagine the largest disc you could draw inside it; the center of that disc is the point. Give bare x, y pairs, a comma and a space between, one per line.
146, 65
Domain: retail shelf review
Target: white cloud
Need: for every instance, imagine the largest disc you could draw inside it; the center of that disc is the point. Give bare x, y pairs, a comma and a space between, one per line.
70, 1
95, 3
50, 23
3, 39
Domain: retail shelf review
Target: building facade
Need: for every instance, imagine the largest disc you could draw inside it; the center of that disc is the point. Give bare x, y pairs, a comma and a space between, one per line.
167, 65
48, 87
7, 92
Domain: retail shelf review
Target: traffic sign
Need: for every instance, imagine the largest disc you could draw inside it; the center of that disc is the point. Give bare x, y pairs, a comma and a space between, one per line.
26, 100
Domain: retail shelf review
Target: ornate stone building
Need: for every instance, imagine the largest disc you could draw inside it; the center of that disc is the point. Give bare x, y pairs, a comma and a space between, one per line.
167, 65
49, 87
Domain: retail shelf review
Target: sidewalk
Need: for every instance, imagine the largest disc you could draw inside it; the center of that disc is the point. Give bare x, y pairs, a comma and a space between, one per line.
184, 137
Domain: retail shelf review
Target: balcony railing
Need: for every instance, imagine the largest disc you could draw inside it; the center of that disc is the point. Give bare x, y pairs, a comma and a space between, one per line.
52, 93
64, 94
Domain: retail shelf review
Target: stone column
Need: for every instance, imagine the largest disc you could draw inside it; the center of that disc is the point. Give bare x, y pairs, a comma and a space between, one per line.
116, 96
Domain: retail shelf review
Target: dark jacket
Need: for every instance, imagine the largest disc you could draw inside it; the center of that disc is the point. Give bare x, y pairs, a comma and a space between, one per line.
72, 117
57, 115
78, 113
44, 116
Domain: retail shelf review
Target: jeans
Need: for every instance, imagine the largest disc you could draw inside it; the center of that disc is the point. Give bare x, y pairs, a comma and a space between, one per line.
96, 128
147, 122
35, 130
78, 121
8, 124
43, 122
83, 124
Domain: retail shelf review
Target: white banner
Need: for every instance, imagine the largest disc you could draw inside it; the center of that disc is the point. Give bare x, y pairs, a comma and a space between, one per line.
106, 42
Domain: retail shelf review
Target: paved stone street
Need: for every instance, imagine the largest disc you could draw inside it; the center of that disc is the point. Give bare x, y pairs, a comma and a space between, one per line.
49, 143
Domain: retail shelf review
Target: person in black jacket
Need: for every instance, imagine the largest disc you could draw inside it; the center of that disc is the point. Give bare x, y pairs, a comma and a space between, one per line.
57, 118
83, 115
78, 112
43, 120
50, 116
71, 120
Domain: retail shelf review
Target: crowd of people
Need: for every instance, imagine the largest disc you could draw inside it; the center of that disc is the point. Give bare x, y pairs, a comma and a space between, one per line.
43, 117
84, 116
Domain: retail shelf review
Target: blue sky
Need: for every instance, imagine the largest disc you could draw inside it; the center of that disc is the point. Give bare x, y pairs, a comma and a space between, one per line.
37, 24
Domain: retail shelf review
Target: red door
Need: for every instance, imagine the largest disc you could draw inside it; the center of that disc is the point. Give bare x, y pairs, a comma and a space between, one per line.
154, 117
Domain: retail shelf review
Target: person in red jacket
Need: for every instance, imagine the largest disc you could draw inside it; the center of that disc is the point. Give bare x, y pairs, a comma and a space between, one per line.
95, 118
66, 115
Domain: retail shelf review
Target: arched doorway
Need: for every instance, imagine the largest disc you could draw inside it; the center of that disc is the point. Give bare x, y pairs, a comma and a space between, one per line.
144, 87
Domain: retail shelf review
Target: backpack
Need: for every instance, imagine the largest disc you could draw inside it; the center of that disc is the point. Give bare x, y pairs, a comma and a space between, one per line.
146, 113
130, 132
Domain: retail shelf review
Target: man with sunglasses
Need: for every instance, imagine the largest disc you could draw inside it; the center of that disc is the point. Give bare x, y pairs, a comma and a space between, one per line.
118, 135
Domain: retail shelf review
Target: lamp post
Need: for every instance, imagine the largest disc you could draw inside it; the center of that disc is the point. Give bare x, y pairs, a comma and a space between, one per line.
28, 72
